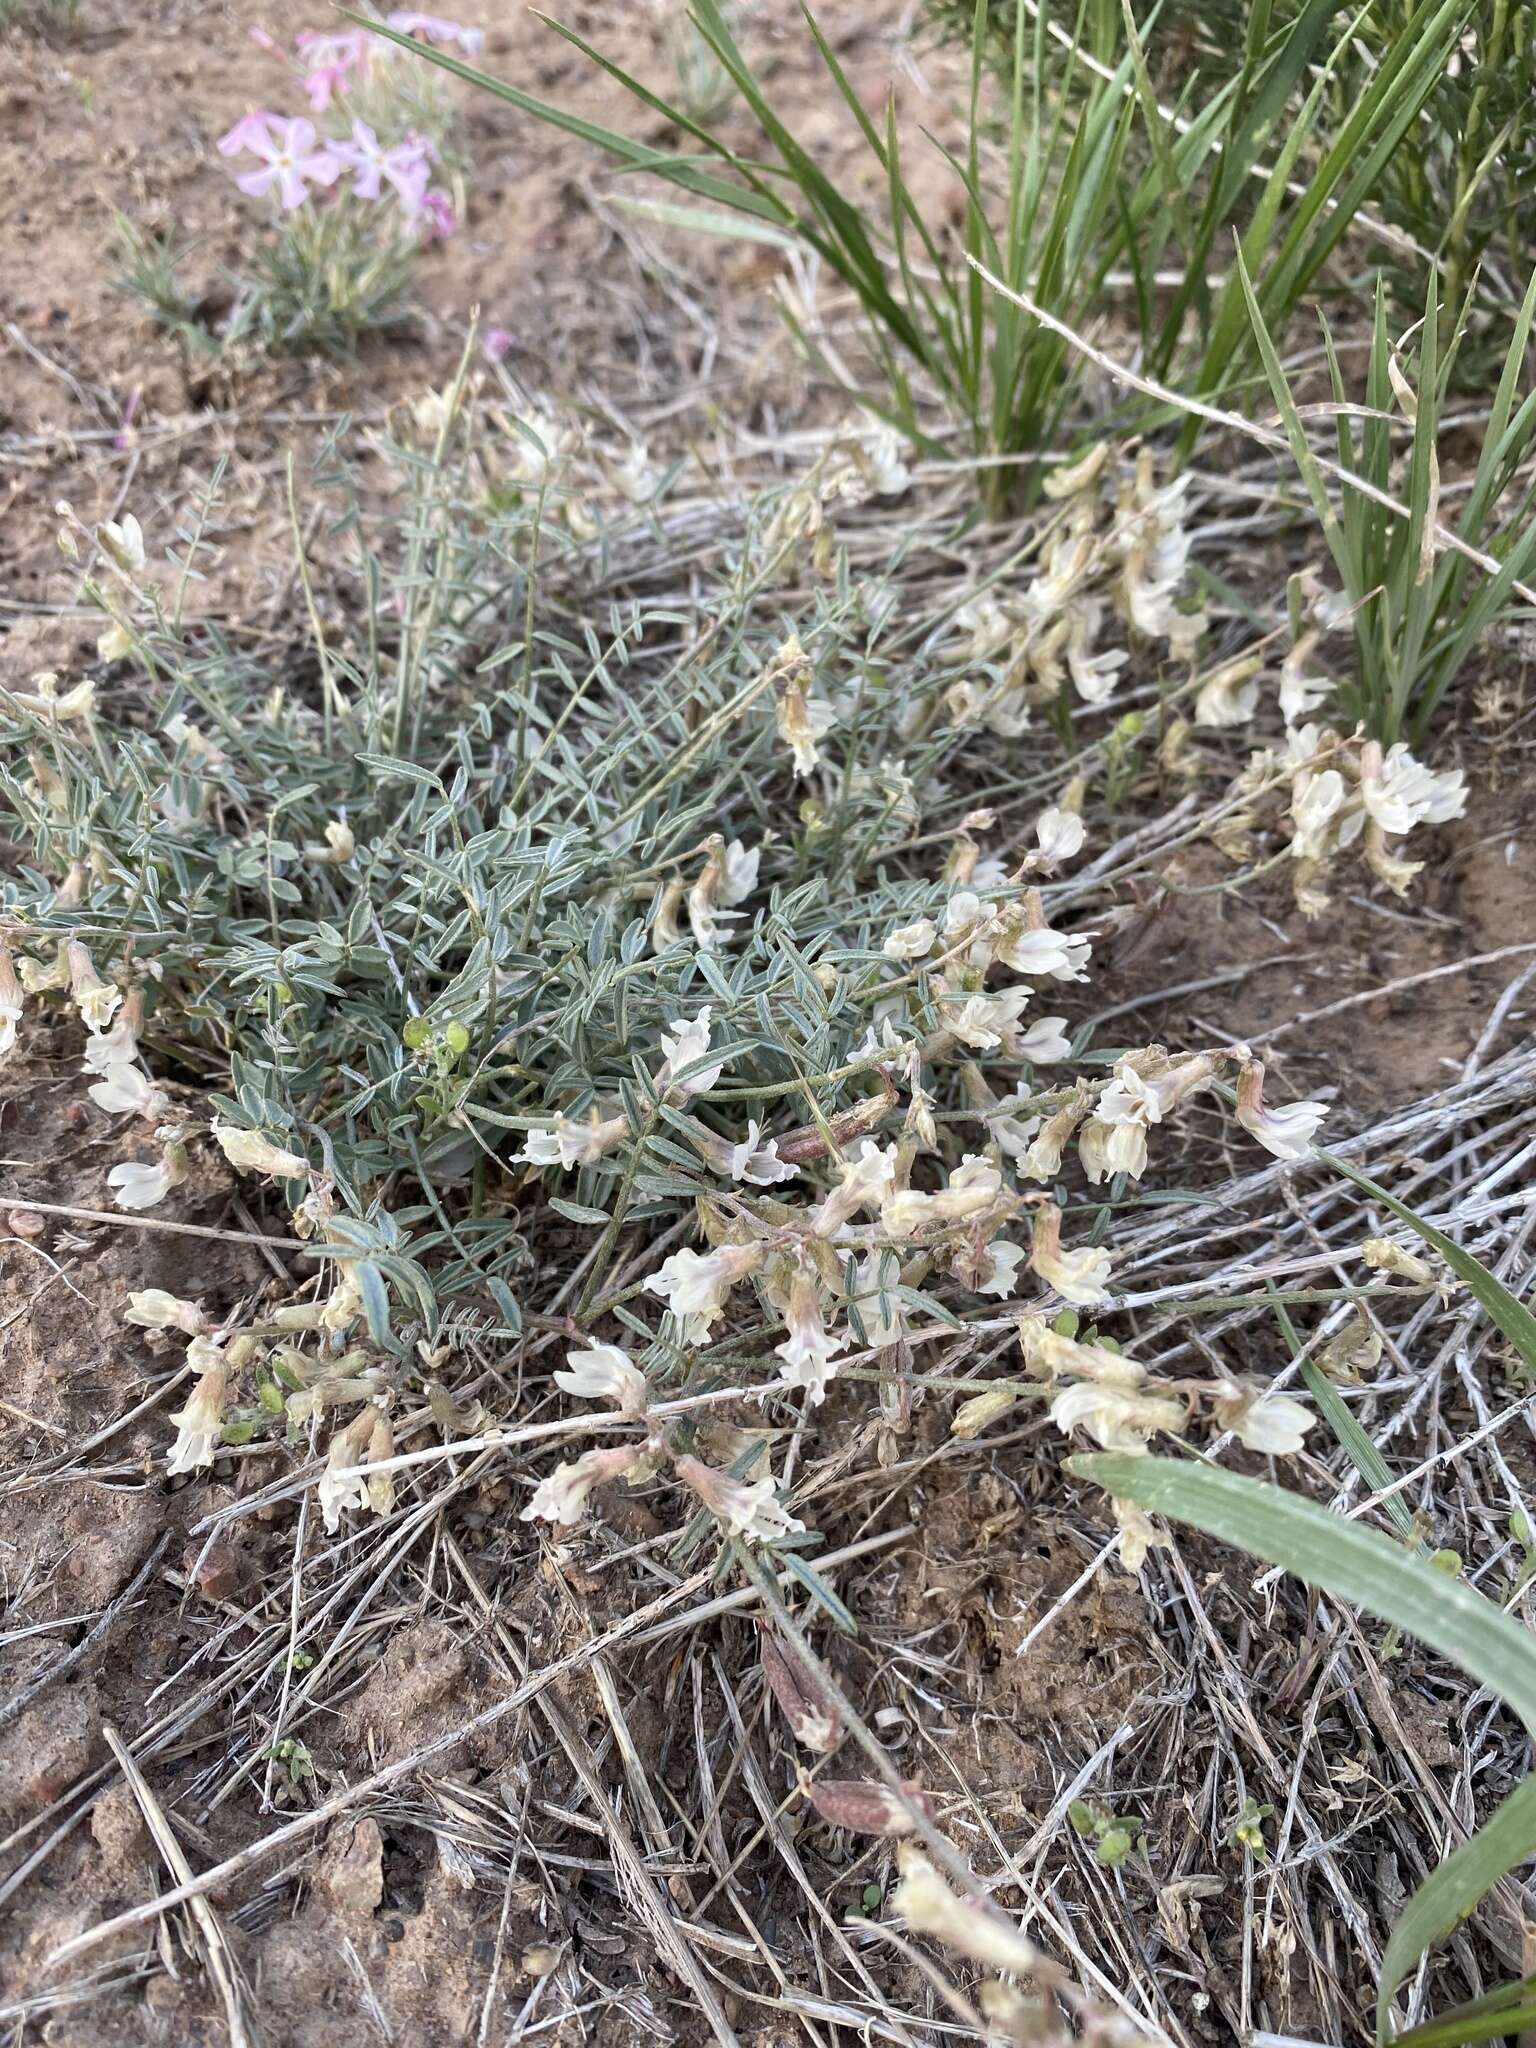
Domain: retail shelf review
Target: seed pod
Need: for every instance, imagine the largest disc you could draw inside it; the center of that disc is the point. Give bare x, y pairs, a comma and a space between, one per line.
809, 1707
806, 1143
867, 1808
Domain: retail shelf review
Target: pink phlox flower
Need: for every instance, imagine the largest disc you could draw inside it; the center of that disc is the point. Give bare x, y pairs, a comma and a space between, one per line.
328, 60
251, 131
322, 85
438, 216
433, 29
408, 167
498, 343
291, 162
365, 158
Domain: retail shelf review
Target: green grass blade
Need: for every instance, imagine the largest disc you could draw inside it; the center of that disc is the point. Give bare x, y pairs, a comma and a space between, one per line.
705, 220
1415, 557
1369, 1570
1506, 438
1353, 1439
1414, 61
1296, 434
1510, 1317
1449, 1893
1480, 2019
680, 171
1339, 1557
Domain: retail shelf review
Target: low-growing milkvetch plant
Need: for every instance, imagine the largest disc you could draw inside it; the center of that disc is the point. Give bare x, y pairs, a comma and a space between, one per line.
677, 942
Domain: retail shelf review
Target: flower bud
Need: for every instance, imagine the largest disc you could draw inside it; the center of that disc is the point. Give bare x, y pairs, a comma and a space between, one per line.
982, 1410
249, 1152
153, 1309
1383, 1256
928, 1906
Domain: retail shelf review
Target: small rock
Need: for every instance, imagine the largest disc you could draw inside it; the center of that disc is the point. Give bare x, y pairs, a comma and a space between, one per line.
53, 1744
351, 1869
118, 1828
218, 1568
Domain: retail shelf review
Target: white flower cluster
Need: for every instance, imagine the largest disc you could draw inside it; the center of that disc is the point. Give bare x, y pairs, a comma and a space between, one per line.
119, 1082
1121, 1407
842, 1271
1117, 550
1351, 793
606, 1372
683, 1073
356, 1473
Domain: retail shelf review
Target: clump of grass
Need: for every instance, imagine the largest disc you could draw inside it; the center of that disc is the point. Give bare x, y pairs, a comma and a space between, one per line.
149, 272
1454, 195
1074, 199
1419, 607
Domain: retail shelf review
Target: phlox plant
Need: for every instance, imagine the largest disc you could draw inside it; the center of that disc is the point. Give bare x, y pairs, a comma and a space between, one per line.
54, 18
350, 186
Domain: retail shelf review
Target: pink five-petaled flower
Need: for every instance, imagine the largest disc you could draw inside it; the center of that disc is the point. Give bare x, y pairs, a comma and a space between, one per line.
407, 166
291, 162
251, 131
364, 157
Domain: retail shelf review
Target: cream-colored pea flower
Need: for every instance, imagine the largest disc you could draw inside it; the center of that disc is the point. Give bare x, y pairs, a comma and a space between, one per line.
250, 1152
562, 1496
810, 1348
605, 1372
1289, 1132
199, 1422
695, 1285
1080, 1277
752, 1511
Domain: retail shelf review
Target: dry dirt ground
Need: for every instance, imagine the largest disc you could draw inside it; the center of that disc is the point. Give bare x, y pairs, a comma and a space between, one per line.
480, 1899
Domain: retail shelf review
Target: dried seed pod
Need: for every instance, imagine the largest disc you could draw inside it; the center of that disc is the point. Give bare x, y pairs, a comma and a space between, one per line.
867, 1808
808, 1142
809, 1707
